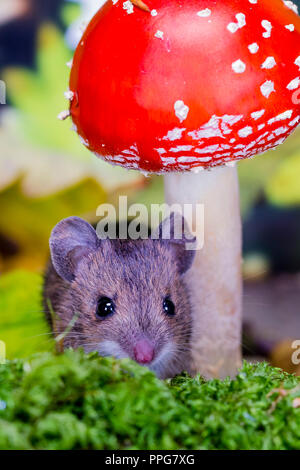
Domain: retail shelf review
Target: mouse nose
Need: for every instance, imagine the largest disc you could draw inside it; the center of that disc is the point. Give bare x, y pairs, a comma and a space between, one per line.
143, 352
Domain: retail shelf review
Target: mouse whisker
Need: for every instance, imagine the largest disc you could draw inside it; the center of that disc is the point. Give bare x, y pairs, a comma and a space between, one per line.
37, 336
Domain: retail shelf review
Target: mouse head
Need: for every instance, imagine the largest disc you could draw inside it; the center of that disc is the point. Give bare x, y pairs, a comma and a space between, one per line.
129, 296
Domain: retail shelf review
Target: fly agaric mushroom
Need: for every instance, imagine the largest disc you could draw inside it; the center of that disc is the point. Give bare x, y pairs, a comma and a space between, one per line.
192, 85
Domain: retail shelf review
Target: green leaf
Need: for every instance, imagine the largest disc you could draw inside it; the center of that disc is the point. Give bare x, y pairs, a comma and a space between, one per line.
256, 174
23, 327
29, 221
283, 189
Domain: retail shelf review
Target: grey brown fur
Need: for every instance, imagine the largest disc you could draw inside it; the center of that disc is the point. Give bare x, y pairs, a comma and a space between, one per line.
137, 276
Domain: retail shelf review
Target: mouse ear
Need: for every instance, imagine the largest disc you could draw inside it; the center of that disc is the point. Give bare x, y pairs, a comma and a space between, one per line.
71, 240
175, 230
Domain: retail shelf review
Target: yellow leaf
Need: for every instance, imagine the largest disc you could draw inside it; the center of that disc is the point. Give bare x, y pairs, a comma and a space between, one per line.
283, 189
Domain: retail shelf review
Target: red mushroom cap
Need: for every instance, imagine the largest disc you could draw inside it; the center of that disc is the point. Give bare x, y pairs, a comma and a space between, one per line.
192, 83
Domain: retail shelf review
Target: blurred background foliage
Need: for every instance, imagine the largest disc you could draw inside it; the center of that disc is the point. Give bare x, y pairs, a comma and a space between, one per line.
46, 174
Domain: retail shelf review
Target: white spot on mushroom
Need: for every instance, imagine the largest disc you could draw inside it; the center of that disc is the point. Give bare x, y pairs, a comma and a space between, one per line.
233, 27
290, 27
83, 141
133, 165
240, 146
182, 148
238, 66
63, 115
258, 114
268, 27
245, 131
294, 121
279, 142
261, 137
228, 119
128, 6
181, 110
192, 159
261, 126
291, 5
161, 151
232, 141
253, 48
281, 117
210, 129
222, 155
209, 149
69, 95
269, 63
217, 126
153, 12
297, 62
204, 13
267, 88
133, 150
281, 130
168, 160
174, 134
241, 21
130, 159
294, 84
159, 34
237, 154
250, 146
119, 159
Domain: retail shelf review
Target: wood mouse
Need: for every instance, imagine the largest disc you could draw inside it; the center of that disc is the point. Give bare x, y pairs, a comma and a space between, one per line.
129, 297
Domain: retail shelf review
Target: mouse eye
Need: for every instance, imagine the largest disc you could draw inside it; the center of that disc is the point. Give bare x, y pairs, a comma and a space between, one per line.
169, 307
105, 308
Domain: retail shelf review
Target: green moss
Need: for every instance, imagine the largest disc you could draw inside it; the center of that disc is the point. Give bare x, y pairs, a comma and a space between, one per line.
74, 401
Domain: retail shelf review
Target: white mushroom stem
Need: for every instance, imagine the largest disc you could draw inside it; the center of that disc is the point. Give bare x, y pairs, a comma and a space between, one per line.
215, 281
